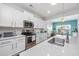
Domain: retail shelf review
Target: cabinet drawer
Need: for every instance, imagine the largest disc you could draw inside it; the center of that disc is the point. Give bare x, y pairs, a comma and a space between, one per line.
6, 48
4, 43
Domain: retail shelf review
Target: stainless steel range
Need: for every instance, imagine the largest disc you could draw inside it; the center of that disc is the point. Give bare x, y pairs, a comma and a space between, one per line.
28, 31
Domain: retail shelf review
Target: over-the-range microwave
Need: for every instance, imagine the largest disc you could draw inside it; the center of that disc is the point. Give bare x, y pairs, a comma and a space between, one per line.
28, 24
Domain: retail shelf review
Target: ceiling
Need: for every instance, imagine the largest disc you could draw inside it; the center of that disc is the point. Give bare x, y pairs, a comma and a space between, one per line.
47, 10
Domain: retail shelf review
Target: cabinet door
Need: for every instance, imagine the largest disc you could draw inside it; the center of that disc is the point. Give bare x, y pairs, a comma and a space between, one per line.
33, 37
6, 48
28, 16
38, 38
17, 18
20, 44
5, 16
43, 36
10, 17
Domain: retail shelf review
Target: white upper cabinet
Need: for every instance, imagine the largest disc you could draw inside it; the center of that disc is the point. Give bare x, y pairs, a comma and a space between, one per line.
17, 18
10, 17
5, 16
38, 23
28, 16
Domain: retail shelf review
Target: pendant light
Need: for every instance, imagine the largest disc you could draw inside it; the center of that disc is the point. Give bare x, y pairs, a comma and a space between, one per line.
62, 18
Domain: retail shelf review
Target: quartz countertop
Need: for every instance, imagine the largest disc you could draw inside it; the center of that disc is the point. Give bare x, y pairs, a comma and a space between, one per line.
6, 38
47, 49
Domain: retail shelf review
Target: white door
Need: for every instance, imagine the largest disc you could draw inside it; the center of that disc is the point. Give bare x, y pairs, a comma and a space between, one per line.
6, 48
38, 38
33, 37
44, 36
20, 44
41, 37
17, 18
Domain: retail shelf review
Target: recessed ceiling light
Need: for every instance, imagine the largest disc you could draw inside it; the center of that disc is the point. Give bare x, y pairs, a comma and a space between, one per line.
48, 12
53, 3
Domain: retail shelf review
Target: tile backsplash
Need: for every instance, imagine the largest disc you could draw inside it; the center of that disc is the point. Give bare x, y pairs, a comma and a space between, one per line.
6, 29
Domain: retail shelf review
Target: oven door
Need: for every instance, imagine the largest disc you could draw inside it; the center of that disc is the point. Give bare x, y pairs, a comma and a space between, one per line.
29, 39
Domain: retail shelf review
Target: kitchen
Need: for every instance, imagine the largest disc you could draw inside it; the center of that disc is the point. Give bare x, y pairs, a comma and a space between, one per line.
25, 31
12, 23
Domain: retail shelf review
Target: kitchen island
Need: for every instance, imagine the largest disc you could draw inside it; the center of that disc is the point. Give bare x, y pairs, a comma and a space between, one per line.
47, 49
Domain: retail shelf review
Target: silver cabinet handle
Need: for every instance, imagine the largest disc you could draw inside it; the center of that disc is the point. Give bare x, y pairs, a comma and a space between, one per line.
12, 45
12, 23
16, 45
20, 39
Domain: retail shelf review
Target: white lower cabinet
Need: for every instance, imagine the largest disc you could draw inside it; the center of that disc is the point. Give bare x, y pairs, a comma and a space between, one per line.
41, 37
6, 48
20, 44
12, 46
33, 37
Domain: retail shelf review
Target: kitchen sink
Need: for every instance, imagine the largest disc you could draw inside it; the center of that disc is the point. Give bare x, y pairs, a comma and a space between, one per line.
57, 41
